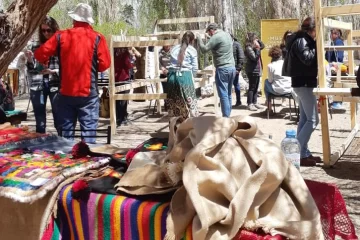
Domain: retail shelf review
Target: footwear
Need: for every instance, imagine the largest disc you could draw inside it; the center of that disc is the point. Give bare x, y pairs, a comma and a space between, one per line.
237, 104
317, 159
337, 105
307, 162
252, 107
258, 106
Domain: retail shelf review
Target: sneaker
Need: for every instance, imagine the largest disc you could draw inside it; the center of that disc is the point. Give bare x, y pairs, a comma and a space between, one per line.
337, 105
307, 162
252, 107
258, 106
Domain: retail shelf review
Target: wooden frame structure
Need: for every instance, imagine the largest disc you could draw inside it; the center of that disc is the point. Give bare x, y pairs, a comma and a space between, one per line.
150, 40
341, 88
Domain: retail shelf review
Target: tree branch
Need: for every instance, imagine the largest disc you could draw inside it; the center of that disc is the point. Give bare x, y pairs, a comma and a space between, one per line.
17, 25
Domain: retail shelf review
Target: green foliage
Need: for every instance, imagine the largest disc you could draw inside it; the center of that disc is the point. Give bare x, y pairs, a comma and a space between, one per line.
114, 28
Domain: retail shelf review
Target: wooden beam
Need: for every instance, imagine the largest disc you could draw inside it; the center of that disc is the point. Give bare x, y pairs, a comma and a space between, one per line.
184, 20
175, 33
341, 150
342, 48
349, 9
356, 33
330, 23
145, 43
350, 53
353, 114
322, 80
345, 85
351, 99
346, 92
344, 77
112, 90
140, 96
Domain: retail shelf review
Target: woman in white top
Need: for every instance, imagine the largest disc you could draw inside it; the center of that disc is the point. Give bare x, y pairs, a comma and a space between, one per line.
181, 97
276, 84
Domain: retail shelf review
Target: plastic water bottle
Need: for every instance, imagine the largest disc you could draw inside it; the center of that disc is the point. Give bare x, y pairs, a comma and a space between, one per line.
291, 148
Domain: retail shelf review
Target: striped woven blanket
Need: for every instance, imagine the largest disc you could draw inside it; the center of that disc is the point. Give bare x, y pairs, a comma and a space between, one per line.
108, 217
114, 217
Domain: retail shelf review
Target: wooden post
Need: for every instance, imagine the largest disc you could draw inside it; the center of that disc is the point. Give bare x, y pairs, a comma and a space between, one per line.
350, 53
112, 90
157, 74
322, 81
353, 105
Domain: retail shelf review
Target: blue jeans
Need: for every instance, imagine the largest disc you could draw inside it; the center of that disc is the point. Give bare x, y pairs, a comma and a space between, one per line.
269, 89
38, 100
224, 78
237, 88
84, 109
309, 118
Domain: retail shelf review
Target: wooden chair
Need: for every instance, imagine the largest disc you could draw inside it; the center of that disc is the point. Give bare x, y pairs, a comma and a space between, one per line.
107, 131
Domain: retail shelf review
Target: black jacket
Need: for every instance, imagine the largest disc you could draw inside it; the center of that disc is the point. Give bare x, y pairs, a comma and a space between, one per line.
253, 65
300, 62
238, 56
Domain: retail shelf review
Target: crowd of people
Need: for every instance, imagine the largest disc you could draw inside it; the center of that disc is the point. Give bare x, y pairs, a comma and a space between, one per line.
63, 67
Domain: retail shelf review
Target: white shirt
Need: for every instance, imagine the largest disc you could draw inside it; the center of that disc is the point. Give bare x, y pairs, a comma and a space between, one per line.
190, 62
280, 84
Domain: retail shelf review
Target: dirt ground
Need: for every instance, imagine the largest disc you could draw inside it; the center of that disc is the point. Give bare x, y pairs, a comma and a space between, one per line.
345, 174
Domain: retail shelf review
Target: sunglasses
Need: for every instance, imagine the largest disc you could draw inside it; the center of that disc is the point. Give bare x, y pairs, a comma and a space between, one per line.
48, 30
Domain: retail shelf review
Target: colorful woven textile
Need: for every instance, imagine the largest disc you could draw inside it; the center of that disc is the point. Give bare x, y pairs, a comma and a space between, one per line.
108, 217
27, 175
12, 136
118, 217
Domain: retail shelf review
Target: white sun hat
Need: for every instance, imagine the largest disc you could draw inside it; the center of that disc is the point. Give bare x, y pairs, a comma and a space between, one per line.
82, 13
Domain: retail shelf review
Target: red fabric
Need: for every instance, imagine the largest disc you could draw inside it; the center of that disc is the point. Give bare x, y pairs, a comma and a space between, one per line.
122, 65
334, 216
76, 58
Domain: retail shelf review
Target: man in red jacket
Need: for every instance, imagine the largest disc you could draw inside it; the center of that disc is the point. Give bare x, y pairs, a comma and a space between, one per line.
82, 53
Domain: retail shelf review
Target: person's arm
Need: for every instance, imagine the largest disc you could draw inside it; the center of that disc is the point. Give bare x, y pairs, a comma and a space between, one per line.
253, 53
262, 45
127, 62
103, 55
270, 74
241, 57
340, 54
306, 55
194, 62
48, 49
206, 47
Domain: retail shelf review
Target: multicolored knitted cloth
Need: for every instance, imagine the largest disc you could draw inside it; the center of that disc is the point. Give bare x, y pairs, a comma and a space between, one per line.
27, 175
13, 136
108, 217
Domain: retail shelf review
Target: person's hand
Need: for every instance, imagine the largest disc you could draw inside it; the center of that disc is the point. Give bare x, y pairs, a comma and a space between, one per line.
237, 72
198, 36
48, 71
29, 55
256, 44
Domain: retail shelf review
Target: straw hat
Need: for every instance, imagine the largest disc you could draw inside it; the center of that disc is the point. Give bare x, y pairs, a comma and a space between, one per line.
82, 13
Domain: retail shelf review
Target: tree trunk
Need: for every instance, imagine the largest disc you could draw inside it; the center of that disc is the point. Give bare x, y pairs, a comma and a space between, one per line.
227, 16
17, 25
